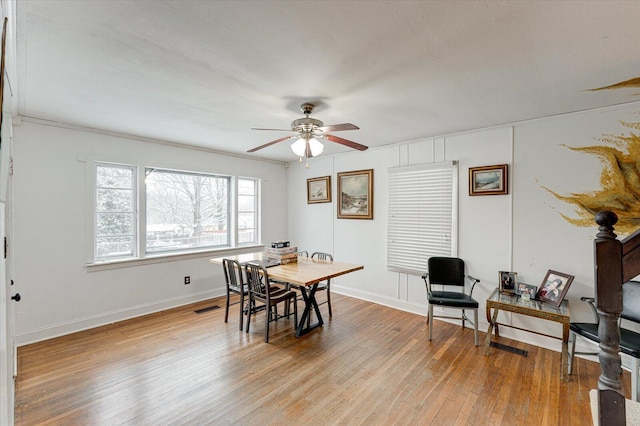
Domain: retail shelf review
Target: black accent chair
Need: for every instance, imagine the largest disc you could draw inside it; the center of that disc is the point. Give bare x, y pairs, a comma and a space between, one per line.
261, 291
629, 339
235, 285
325, 285
450, 272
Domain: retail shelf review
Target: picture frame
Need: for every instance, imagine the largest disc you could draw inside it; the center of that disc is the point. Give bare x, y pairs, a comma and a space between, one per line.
488, 180
526, 291
319, 190
507, 282
355, 194
554, 287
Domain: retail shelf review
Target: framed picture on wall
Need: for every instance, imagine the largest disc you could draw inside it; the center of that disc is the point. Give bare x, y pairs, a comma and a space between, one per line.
319, 190
355, 194
488, 180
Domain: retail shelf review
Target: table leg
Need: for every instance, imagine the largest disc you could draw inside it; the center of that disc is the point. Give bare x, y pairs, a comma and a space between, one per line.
309, 297
564, 364
492, 323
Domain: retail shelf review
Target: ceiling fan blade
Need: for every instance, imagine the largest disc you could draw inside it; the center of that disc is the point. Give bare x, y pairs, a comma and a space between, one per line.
270, 143
346, 142
277, 130
337, 127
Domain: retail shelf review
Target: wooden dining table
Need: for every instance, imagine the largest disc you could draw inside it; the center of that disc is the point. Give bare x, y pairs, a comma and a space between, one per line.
305, 274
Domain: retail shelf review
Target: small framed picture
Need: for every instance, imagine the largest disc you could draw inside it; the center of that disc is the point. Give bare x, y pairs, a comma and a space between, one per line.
526, 291
507, 282
554, 287
319, 190
488, 180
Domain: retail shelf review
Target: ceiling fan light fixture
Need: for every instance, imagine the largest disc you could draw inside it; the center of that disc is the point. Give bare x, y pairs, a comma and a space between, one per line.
299, 147
316, 147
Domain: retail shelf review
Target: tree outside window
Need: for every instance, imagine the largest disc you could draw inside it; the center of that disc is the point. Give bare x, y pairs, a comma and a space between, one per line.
186, 210
115, 211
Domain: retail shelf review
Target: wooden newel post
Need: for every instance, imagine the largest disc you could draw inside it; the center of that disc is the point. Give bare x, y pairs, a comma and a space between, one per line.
608, 294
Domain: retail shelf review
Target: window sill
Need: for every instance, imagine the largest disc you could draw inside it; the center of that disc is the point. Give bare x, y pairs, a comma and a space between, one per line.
172, 257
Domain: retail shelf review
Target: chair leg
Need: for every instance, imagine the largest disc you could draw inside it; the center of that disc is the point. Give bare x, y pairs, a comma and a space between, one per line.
572, 350
266, 325
463, 318
329, 299
475, 326
226, 310
635, 366
249, 312
241, 309
430, 320
295, 312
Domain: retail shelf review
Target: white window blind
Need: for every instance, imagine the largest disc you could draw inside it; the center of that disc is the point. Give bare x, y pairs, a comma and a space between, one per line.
422, 215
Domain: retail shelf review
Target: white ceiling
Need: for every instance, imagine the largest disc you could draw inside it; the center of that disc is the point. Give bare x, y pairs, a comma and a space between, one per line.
204, 72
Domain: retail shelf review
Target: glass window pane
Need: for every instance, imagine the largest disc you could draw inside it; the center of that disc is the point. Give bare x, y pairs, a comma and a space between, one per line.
111, 224
113, 200
186, 210
115, 207
246, 203
246, 187
246, 236
246, 220
114, 177
115, 246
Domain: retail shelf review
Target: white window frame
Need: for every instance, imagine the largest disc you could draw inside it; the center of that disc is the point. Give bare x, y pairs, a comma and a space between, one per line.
423, 215
256, 211
135, 196
140, 215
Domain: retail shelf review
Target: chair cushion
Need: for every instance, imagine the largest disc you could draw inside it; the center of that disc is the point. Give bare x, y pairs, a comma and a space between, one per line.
453, 299
629, 340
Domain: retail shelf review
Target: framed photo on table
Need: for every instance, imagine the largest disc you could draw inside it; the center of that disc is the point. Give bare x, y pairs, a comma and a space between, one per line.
355, 194
488, 180
554, 287
526, 291
507, 282
319, 190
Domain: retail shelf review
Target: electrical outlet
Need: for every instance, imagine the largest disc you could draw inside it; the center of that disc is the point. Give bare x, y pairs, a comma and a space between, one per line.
187, 280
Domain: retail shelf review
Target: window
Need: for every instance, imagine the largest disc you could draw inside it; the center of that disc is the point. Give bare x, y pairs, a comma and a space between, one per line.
179, 211
186, 210
247, 211
115, 211
422, 215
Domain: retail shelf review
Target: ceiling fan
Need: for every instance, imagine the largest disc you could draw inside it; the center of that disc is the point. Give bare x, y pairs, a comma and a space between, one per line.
308, 131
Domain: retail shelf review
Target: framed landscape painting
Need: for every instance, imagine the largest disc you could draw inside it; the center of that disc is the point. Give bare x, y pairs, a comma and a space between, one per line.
355, 194
319, 190
488, 180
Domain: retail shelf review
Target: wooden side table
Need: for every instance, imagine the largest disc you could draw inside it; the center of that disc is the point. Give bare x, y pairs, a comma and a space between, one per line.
533, 308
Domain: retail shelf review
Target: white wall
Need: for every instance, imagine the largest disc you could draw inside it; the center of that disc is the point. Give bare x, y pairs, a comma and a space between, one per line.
59, 293
522, 231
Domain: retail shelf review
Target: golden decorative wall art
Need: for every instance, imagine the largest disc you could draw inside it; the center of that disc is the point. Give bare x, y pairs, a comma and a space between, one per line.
619, 179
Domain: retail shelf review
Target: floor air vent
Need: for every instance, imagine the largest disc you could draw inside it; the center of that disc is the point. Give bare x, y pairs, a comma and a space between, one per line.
210, 308
509, 349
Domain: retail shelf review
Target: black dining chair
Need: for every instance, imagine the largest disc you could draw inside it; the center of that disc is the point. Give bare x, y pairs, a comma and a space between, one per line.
629, 339
233, 276
324, 285
270, 296
449, 273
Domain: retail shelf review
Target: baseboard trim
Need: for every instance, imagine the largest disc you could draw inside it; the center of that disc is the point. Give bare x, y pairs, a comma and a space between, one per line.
86, 323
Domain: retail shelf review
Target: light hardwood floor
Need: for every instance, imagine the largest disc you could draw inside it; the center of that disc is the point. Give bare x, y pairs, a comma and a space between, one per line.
369, 365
